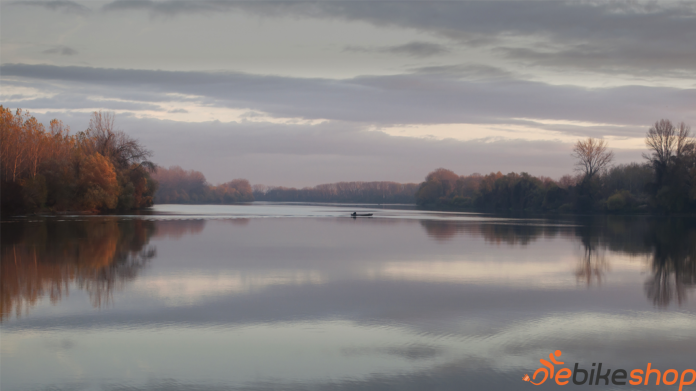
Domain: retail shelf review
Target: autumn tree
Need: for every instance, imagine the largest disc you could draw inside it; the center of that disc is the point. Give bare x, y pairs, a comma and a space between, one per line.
238, 190
21, 145
438, 184
128, 157
177, 185
57, 170
98, 183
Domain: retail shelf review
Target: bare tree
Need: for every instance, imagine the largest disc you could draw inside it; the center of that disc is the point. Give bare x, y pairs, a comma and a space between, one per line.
120, 148
668, 142
592, 155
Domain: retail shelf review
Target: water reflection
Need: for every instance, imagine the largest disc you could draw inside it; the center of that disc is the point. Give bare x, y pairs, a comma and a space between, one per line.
175, 229
328, 302
43, 258
669, 244
521, 233
592, 266
593, 263
673, 263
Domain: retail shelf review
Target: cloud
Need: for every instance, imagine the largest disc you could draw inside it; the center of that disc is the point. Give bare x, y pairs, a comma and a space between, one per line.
418, 49
69, 7
638, 60
416, 98
63, 51
619, 36
64, 100
410, 352
170, 8
413, 49
359, 141
468, 71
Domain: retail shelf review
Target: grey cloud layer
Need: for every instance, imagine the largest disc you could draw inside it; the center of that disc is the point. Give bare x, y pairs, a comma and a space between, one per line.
414, 49
447, 83
612, 37
383, 100
63, 51
56, 5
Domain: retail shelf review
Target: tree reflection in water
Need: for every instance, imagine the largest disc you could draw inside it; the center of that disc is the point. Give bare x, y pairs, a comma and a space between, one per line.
593, 264
668, 243
493, 233
98, 255
673, 261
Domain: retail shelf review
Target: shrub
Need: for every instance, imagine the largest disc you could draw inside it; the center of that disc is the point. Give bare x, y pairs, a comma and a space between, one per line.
616, 202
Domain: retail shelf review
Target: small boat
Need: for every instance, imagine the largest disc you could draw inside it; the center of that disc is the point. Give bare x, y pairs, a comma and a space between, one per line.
354, 214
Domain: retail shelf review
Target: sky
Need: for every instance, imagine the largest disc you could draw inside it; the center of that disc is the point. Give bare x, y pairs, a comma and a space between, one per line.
301, 93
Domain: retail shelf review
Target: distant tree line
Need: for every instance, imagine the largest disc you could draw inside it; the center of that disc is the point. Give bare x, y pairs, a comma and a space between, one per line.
342, 192
103, 169
666, 182
98, 169
178, 186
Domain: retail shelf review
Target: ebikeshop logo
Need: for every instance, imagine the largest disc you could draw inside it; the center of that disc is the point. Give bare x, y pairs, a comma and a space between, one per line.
618, 377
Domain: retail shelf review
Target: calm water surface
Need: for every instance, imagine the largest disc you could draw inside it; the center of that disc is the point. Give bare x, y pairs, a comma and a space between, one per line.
295, 297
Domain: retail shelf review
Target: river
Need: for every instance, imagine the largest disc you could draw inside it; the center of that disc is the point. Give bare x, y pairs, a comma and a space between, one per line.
303, 297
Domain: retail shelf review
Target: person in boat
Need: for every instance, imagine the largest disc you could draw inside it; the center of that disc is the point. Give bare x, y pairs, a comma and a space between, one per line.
355, 214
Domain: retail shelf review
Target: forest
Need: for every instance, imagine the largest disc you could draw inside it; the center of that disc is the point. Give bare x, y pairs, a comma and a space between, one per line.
102, 169
342, 192
98, 169
179, 186
664, 183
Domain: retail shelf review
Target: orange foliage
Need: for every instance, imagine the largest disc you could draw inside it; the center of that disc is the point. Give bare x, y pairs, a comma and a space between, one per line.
99, 168
98, 180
